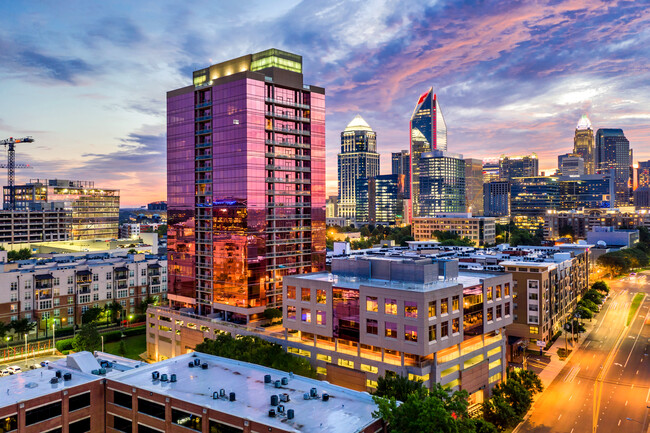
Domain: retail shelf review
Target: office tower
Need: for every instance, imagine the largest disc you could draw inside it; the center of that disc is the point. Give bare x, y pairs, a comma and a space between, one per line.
491, 171
589, 191
401, 164
570, 164
583, 143
613, 155
441, 183
428, 133
245, 184
380, 199
358, 159
94, 211
496, 199
480, 230
332, 206
518, 166
533, 196
643, 174
157, 205
474, 186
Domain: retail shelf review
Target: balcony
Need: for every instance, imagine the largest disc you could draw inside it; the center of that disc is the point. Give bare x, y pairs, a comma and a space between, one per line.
287, 103
202, 145
121, 285
290, 131
288, 144
203, 118
83, 290
204, 104
203, 131
279, 167
43, 285
284, 180
202, 157
289, 157
287, 116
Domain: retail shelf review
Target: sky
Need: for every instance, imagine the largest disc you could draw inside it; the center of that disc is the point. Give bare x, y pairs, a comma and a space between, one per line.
88, 79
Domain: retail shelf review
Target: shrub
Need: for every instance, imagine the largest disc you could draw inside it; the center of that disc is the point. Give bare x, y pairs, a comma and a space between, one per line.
64, 345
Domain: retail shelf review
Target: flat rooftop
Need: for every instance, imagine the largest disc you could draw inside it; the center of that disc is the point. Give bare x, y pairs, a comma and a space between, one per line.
466, 279
346, 410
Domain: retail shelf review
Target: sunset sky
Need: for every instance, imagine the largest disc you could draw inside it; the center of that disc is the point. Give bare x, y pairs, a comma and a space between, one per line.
88, 79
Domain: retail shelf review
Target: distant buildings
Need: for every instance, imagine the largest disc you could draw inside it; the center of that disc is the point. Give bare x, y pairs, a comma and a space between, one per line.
613, 236
441, 183
481, 230
247, 206
157, 205
518, 166
358, 159
332, 206
643, 174
570, 164
496, 199
474, 186
583, 145
579, 223
613, 155
380, 200
428, 132
24, 226
94, 211
491, 171
401, 164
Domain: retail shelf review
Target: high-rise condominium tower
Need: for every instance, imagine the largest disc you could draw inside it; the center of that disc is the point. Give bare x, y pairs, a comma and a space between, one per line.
612, 154
474, 186
358, 159
245, 184
518, 166
583, 143
428, 133
401, 164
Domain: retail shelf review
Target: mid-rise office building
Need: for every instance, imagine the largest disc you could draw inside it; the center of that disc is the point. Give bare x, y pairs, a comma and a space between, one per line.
332, 206
643, 174
588, 191
642, 197
511, 167
25, 226
428, 133
358, 159
613, 155
94, 211
481, 230
441, 183
60, 289
496, 199
401, 164
474, 186
245, 183
157, 205
570, 164
101, 393
380, 200
583, 144
534, 196
579, 223
491, 171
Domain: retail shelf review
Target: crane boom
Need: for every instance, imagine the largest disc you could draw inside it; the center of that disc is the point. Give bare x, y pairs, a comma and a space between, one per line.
11, 164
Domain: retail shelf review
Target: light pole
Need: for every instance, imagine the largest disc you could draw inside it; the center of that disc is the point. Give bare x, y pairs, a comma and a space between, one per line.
25, 346
53, 338
102, 337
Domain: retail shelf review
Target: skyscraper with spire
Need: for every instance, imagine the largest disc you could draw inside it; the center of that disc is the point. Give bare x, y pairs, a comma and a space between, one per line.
583, 143
358, 159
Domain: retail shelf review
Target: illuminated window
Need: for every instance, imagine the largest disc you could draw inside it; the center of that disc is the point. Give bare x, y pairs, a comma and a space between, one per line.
410, 333
432, 333
321, 296
506, 289
321, 370
390, 306
391, 330
369, 368
452, 384
346, 363
432, 309
494, 351
321, 318
444, 306
455, 326
291, 312
488, 293
455, 304
495, 378
498, 290
325, 358
410, 309
306, 294
534, 329
494, 364
415, 377
444, 329
291, 292
305, 315
372, 304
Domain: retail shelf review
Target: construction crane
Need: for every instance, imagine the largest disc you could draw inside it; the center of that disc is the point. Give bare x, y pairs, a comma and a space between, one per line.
11, 165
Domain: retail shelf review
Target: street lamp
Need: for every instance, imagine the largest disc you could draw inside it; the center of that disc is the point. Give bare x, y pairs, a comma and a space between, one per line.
25, 345
102, 337
53, 338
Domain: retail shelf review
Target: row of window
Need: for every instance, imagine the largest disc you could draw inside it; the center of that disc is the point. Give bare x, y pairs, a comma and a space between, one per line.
95, 277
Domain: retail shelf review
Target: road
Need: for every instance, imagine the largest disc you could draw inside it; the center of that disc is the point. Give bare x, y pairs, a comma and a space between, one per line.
607, 380
25, 363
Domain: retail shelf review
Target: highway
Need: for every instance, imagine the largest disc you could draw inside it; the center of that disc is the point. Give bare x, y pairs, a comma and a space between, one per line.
607, 380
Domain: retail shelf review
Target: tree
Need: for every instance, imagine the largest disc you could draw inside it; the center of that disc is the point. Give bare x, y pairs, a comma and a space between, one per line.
600, 286
398, 387
272, 313
162, 230
448, 238
4, 330
512, 399
87, 339
91, 314
21, 254
22, 327
113, 310
122, 348
132, 251
145, 303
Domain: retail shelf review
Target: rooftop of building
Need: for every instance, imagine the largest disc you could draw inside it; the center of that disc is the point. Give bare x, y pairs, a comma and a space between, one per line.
82, 367
358, 124
65, 261
462, 215
345, 410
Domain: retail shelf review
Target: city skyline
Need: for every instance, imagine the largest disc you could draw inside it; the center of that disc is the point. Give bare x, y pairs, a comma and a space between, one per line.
92, 91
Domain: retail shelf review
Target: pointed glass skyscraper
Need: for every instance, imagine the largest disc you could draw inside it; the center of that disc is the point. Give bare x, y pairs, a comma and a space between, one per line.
428, 133
583, 143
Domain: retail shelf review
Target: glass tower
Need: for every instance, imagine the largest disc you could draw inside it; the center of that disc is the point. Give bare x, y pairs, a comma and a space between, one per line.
583, 143
358, 159
613, 155
442, 183
401, 164
428, 133
246, 184
518, 166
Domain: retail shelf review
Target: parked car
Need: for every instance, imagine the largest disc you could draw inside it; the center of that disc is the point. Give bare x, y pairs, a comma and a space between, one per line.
34, 366
45, 363
14, 369
5, 372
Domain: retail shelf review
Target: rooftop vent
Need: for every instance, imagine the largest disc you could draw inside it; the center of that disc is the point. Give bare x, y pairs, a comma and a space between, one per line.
67, 376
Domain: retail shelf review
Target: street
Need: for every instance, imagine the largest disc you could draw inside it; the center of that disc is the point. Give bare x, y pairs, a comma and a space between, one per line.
25, 363
606, 382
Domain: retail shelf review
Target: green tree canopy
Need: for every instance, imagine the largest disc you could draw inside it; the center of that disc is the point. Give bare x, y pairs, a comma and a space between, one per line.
87, 339
398, 387
91, 314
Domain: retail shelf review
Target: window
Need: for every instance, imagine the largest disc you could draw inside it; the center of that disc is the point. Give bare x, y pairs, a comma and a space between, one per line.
499, 312
534, 329
70, 300
321, 317
432, 309
346, 363
498, 290
444, 329
391, 330
70, 279
372, 304
305, 294
42, 413
109, 275
95, 277
131, 273
150, 408
490, 314
432, 333
507, 308
28, 284
188, 420
369, 368
455, 326
70, 311
9, 423
506, 289
533, 296
14, 286
291, 312
390, 306
455, 303
143, 272
217, 427
122, 399
533, 319
95, 296
410, 333
81, 426
372, 327
147, 429
488, 293
28, 295
121, 424
411, 309
533, 307
444, 306
321, 297
305, 315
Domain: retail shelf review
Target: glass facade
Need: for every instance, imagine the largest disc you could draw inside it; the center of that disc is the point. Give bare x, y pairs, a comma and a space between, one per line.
496, 199
533, 196
246, 182
583, 144
428, 133
379, 200
441, 184
613, 155
401, 164
511, 167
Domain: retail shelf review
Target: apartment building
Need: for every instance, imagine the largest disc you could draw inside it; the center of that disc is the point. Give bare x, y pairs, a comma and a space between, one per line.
579, 223
59, 290
194, 392
24, 226
481, 230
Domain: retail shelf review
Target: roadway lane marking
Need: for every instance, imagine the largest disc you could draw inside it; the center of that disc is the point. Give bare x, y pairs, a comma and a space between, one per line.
632, 350
558, 418
571, 397
619, 422
625, 402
